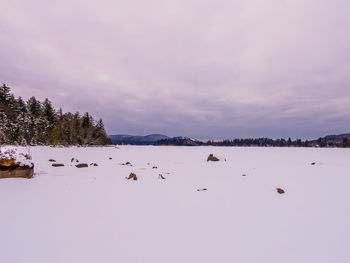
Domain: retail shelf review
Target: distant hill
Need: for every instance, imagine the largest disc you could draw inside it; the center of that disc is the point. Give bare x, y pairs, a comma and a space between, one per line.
339, 136
136, 140
179, 141
340, 140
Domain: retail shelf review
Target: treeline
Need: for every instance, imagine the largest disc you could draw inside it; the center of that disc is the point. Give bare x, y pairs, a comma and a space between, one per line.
266, 142
38, 123
180, 141
260, 142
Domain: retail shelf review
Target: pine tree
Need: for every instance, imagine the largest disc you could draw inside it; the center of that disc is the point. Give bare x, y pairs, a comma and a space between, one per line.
4, 94
34, 107
60, 124
48, 111
3, 128
76, 129
21, 105
86, 121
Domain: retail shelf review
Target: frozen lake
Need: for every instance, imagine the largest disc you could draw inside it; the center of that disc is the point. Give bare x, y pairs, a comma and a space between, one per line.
66, 214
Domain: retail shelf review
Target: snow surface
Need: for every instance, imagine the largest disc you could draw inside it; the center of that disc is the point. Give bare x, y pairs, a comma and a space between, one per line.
94, 214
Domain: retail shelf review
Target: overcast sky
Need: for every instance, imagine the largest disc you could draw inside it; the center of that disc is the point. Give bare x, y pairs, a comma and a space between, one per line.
199, 68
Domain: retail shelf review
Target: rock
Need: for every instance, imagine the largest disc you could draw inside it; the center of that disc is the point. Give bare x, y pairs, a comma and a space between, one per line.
110, 158
17, 172
313, 163
57, 164
52, 160
82, 165
127, 163
132, 176
154, 167
7, 162
73, 159
280, 191
244, 175
212, 158
202, 189
160, 176
93, 164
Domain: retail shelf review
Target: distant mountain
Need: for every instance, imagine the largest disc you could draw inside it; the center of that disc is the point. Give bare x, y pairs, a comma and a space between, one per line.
339, 136
340, 140
179, 141
136, 140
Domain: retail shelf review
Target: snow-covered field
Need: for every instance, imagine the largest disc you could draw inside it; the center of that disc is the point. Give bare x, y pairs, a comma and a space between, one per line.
94, 214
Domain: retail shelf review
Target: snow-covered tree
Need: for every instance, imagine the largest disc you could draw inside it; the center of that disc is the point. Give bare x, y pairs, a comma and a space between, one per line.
39, 123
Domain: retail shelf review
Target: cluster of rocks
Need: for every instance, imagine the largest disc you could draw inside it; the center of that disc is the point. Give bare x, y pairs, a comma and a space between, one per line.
212, 158
78, 165
9, 168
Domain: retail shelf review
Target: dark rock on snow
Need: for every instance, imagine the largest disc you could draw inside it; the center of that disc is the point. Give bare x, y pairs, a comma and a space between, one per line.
127, 163
82, 165
212, 158
16, 172
57, 164
132, 176
280, 191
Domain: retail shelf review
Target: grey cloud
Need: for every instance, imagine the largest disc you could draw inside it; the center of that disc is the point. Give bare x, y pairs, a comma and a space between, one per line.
207, 69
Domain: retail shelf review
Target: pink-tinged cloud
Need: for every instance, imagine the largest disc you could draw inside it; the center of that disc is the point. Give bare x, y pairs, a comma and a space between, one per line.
208, 69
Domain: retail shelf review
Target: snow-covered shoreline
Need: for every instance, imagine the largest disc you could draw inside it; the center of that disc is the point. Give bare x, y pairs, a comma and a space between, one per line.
67, 214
